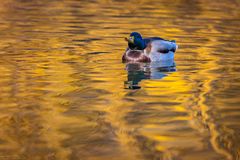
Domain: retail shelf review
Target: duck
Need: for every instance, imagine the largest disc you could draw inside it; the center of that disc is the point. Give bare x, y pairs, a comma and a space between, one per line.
148, 49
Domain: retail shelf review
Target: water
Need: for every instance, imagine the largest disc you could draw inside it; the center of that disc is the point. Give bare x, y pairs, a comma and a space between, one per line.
63, 87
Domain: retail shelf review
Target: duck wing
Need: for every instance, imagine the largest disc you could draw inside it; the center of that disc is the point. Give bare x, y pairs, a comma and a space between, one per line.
161, 45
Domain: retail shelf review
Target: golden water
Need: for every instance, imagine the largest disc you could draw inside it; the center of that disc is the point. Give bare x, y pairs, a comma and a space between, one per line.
62, 94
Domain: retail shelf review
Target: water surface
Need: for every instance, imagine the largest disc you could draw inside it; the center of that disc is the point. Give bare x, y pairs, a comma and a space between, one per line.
63, 89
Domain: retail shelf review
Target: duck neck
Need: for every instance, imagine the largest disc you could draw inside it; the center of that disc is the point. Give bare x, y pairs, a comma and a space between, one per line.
141, 45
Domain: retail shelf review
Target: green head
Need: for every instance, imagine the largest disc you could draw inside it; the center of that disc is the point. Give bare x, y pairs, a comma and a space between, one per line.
135, 41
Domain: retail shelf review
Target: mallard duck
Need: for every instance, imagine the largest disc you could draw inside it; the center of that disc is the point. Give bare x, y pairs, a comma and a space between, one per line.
148, 49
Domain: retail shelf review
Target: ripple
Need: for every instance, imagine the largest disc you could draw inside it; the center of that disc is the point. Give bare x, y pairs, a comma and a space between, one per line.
63, 87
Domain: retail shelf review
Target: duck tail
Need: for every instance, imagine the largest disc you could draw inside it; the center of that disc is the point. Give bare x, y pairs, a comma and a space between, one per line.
176, 46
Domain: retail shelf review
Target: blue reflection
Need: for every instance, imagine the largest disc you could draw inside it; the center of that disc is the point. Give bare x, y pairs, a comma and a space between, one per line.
153, 70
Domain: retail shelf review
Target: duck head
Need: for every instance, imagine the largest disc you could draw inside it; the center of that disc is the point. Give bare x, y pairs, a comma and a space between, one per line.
135, 41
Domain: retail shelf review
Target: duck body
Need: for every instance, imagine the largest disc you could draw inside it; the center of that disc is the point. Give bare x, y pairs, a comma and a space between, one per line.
148, 49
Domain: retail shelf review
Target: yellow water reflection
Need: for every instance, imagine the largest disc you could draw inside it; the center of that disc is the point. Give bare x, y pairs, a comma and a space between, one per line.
62, 90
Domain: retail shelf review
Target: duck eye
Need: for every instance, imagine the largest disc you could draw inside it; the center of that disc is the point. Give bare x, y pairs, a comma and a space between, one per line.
131, 39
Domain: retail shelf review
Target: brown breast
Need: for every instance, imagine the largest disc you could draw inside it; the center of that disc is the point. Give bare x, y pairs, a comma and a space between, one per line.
135, 56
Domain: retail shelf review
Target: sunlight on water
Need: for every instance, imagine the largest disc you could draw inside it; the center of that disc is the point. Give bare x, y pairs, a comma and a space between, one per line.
65, 94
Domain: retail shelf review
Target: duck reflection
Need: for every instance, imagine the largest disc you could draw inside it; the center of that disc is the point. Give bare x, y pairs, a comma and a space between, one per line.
154, 70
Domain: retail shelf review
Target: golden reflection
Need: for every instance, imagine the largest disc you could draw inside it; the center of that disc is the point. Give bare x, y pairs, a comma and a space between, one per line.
61, 81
